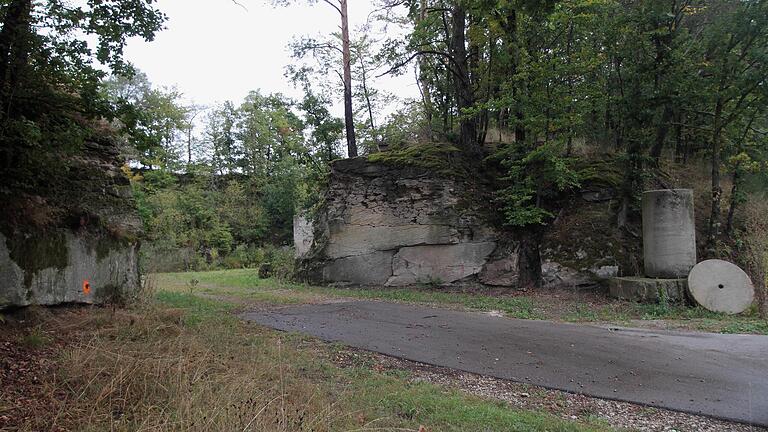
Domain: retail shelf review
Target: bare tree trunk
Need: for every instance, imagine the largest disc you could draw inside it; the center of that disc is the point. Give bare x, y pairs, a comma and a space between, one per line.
510, 28
462, 83
734, 200
349, 121
426, 92
529, 259
190, 130
679, 142
661, 133
569, 109
369, 105
737, 178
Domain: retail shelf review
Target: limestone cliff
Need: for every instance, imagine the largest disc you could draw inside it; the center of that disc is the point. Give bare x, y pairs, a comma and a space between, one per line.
73, 237
384, 224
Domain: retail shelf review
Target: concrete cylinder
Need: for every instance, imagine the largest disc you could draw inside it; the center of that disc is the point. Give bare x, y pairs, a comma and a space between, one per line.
669, 233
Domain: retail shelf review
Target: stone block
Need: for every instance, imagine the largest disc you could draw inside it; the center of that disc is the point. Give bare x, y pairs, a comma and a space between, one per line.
556, 275
303, 235
648, 290
368, 269
349, 240
65, 267
438, 263
501, 272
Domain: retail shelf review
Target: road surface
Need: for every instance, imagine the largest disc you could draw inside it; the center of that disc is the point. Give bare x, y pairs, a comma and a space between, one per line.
723, 376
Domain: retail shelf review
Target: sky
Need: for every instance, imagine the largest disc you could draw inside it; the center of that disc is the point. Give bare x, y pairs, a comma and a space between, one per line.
215, 50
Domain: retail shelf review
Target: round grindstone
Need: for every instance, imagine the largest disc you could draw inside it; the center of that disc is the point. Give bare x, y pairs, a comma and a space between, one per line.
721, 286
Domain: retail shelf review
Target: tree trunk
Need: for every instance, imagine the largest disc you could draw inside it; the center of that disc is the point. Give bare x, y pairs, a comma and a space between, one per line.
661, 133
461, 81
529, 259
737, 178
426, 92
510, 28
734, 200
369, 105
569, 109
679, 143
349, 120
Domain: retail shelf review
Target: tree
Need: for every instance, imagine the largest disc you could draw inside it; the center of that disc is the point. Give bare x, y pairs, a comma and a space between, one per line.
736, 73
340, 6
153, 120
220, 136
49, 77
324, 130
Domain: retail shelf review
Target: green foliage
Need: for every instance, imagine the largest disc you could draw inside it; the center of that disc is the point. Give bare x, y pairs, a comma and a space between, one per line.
151, 118
49, 77
534, 180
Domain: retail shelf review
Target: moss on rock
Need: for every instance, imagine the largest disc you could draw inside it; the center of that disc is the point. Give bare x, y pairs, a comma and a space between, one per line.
38, 251
439, 158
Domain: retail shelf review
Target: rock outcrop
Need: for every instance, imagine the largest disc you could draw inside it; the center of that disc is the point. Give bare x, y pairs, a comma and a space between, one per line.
73, 238
394, 226
391, 225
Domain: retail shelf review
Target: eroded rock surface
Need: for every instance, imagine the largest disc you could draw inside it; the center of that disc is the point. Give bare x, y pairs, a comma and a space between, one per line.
382, 225
72, 240
86, 270
388, 225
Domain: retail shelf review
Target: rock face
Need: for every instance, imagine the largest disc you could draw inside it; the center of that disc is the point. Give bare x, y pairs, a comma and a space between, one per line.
82, 269
74, 240
392, 225
382, 225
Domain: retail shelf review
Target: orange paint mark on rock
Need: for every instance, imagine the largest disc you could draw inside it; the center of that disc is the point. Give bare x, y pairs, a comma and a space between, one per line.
86, 287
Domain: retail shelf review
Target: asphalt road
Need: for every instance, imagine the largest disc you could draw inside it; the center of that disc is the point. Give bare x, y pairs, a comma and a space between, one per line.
724, 376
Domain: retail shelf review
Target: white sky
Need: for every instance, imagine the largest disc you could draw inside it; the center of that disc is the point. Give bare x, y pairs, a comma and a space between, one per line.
214, 50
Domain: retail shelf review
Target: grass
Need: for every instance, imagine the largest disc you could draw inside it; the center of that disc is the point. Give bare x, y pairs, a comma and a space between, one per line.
245, 285
183, 363
36, 338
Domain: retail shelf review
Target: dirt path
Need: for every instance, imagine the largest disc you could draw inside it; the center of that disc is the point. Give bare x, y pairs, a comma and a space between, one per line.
716, 375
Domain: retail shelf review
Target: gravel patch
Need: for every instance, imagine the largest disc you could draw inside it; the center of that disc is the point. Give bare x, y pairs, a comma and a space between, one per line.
562, 404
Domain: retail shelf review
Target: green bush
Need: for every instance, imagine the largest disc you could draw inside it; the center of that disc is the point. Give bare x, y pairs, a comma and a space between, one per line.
160, 257
281, 259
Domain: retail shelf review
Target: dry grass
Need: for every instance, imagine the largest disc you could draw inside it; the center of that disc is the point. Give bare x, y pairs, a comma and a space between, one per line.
148, 371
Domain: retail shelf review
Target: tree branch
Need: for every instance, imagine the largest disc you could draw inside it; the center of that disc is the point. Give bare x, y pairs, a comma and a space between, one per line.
333, 6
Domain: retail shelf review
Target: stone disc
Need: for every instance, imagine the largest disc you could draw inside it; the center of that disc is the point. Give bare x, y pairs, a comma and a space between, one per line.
721, 286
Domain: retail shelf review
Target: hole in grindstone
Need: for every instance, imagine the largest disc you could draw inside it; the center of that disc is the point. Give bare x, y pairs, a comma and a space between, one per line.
721, 286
